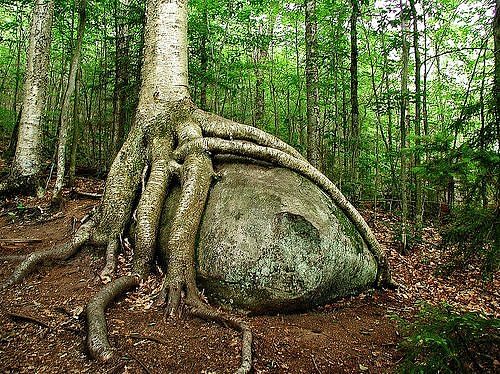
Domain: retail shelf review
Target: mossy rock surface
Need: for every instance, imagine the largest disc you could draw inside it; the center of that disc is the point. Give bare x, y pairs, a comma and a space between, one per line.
272, 241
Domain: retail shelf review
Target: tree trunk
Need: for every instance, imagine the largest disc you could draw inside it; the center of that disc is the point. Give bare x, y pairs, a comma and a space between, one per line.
76, 133
312, 90
419, 209
204, 58
496, 81
122, 68
403, 127
27, 166
354, 131
65, 117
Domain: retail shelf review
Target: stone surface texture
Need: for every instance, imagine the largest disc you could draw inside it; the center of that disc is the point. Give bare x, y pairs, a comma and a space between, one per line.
271, 241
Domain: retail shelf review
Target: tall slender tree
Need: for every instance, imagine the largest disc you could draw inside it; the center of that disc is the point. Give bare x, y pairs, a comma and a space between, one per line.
66, 109
122, 72
419, 201
312, 89
403, 123
27, 166
354, 132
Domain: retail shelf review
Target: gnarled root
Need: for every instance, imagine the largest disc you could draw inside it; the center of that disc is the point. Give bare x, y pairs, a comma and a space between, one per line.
97, 338
220, 127
199, 309
283, 159
150, 205
196, 176
59, 253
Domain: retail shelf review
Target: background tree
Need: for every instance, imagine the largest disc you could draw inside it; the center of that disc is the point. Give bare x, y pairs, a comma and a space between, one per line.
65, 129
27, 164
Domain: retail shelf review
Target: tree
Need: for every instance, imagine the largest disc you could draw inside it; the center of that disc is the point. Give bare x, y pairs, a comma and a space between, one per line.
403, 127
419, 211
121, 73
64, 118
312, 91
354, 133
496, 80
172, 139
26, 167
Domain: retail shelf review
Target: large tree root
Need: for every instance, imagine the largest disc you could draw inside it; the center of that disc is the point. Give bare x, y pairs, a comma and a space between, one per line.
184, 154
283, 159
202, 310
97, 337
63, 252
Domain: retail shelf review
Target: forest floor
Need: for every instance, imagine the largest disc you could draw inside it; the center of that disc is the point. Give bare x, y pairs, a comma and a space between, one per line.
42, 329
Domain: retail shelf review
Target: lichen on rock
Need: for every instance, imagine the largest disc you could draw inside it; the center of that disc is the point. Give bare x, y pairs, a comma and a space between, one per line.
272, 241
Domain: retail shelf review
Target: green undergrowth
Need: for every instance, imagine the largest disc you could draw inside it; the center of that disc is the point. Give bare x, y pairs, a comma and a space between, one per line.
443, 340
473, 234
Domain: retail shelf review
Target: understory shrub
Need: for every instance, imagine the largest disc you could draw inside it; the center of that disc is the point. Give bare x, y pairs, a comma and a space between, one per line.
442, 340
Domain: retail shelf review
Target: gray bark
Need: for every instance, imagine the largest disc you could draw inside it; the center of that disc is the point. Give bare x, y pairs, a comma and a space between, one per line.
403, 127
27, 159
65, 117
312, 91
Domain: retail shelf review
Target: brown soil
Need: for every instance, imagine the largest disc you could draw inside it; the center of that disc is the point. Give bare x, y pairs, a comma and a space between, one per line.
42, 329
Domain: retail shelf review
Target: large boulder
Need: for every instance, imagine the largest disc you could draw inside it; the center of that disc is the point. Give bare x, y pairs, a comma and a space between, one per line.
271, 240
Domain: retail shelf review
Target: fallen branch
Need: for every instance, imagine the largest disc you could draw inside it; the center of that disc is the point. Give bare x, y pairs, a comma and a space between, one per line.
23, 317
19, 241
150, 338
87, 194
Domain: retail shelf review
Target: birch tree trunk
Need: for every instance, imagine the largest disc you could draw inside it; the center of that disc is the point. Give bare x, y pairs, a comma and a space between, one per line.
27, 166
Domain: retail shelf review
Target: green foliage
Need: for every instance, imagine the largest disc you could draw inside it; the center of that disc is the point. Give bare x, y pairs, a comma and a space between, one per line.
441, 340
474, 235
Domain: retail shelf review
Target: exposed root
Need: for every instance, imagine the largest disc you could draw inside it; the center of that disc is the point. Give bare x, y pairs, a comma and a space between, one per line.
283, 159
220, 127
199, 309
150, 206
110, 267
59, 253
197, 174
97, 338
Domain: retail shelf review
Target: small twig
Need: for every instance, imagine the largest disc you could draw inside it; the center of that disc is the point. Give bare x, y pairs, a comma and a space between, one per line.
140, 363
20, 241
87, 194
26, 318
315, 365
12, 258
150, 338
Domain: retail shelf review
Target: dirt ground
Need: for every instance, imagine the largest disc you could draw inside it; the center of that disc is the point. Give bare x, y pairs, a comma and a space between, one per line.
42, 329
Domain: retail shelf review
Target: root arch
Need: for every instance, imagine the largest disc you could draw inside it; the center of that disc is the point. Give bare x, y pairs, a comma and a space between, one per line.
180, 147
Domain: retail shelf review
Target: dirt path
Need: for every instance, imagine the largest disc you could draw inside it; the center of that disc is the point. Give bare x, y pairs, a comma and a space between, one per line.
41, 328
